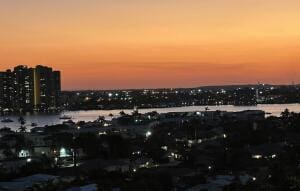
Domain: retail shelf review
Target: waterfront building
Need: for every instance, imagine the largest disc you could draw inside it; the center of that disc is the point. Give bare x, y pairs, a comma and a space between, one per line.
28, 89
46, 87
24, 88
7, 93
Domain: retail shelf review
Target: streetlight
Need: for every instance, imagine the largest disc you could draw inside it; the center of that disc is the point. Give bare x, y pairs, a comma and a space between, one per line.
148, 134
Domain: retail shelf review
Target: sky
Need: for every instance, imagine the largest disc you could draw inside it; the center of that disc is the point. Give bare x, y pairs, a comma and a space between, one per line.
120, 44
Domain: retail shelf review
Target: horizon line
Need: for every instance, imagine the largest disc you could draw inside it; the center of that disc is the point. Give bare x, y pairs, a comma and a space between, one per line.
195, 87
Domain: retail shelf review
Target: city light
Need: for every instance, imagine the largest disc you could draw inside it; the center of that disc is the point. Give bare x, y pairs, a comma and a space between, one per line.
257, 156
149, 95
63, 152
148, 134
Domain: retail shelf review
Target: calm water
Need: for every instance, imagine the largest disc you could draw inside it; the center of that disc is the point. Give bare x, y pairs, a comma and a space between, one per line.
42, 120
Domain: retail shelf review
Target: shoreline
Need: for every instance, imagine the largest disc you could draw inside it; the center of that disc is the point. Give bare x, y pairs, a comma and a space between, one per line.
57, 112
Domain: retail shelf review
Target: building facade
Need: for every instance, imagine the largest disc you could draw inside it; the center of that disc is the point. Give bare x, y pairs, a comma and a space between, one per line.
24, 88
7, 90
28, 89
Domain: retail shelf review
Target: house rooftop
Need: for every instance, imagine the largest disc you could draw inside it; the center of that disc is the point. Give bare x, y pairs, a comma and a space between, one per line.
21, 184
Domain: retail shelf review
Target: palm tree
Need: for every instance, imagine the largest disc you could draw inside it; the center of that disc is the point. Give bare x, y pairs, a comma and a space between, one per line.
285, 114
22, 129
22, 122
101, 119
122, 113
21, 119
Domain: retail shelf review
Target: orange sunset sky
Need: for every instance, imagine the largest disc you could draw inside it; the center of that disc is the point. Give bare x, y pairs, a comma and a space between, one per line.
111, 44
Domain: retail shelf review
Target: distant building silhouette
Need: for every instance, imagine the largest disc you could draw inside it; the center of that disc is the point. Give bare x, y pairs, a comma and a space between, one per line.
47, 87
7, 90
28, 89
24, 88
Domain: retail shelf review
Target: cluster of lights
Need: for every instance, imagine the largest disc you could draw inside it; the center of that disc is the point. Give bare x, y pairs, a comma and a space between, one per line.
266, 157
102, 133
136, 153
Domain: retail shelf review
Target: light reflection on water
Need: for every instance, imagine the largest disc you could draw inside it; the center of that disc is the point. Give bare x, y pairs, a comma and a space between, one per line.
42, 119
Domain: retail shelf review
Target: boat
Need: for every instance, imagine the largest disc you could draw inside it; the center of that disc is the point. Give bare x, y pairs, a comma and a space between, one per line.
7, 120
33, 124
68, 122
65, 117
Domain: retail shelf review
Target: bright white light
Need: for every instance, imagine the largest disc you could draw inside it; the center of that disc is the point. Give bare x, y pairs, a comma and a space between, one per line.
28, 160
254, 178
164, 148
63, 152
256, 156
148, 134
102, 133
24, 154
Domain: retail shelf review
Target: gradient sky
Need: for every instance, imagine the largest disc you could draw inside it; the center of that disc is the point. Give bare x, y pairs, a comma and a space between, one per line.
113, 44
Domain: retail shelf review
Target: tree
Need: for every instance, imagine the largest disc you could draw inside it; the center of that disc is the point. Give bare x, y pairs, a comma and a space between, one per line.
22, 122
122, 113
285, 114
